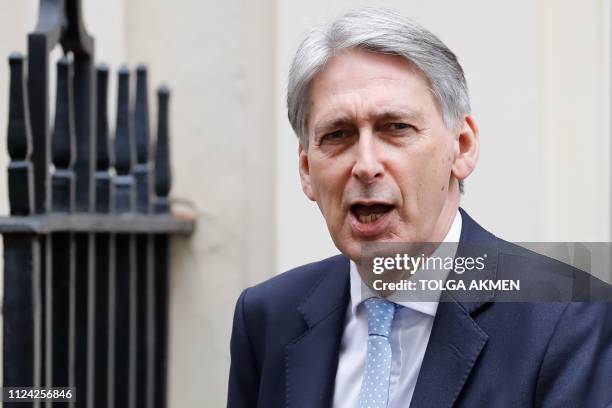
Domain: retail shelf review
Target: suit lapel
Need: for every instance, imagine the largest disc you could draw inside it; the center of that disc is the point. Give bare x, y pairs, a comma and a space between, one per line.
455, 343
456, 340
312, 358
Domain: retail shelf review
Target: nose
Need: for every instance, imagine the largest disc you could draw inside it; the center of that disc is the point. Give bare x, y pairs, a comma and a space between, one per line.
368, 166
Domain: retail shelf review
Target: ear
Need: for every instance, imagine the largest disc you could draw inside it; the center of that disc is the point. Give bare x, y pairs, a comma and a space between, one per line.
467, 148
305, 172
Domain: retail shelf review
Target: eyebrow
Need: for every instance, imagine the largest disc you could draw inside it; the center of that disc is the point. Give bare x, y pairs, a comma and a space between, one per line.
387, 114
411, 116
337, 121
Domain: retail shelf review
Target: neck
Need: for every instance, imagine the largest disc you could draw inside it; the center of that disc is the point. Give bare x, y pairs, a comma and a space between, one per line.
447, 215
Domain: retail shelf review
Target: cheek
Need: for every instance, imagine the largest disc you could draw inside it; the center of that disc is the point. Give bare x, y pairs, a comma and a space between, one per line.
439, 172
327, 182
423, 178
439, 154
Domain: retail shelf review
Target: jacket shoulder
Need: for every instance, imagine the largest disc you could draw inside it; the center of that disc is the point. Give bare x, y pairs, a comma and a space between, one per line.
292, 286
552, 278
542, 278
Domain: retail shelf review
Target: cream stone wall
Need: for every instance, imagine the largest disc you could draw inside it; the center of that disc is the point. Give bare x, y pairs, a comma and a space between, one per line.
574, 112
538, 76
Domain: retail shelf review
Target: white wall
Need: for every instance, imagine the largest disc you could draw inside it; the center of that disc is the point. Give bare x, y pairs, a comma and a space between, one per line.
537, 73
575, 121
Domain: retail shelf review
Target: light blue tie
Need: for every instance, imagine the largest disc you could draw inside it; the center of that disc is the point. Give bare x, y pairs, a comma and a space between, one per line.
375, 384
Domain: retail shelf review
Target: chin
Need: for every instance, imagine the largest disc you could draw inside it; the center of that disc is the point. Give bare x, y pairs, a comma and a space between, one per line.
351, 250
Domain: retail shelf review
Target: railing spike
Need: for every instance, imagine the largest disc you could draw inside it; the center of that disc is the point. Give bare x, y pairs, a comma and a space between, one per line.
19, 142
63, 141
163, 177
123, 136
103, 160
141, 113
19, 137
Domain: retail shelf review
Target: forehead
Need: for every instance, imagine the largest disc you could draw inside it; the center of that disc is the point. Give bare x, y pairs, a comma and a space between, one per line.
357, 81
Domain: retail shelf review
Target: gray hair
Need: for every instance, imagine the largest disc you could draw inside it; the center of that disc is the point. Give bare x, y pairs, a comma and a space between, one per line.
384, 31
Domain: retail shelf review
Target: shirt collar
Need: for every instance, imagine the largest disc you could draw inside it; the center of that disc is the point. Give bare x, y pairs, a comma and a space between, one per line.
429, 308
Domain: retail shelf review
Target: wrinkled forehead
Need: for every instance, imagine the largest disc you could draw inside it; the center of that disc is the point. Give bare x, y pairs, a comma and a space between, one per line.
376, 82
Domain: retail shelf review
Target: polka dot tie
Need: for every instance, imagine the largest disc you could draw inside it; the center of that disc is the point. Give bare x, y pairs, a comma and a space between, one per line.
374, 391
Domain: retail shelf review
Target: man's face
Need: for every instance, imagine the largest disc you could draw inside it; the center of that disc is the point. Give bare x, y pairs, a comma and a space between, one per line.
380, 164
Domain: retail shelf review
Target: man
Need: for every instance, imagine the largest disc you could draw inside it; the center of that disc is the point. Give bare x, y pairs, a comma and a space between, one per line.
381, 110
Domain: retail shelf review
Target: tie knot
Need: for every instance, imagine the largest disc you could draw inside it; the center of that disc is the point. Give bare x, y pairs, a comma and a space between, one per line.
380, 315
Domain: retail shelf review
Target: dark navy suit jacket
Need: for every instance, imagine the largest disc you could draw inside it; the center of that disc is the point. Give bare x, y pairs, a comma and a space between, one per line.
481, 353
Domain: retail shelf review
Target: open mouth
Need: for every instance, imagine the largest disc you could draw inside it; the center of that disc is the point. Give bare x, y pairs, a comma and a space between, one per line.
367, 214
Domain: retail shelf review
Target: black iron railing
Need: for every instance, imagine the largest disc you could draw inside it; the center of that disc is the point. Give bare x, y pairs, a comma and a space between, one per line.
86, 246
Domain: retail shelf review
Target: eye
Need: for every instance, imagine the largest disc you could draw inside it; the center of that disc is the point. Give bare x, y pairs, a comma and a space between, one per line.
396, 126
334, 136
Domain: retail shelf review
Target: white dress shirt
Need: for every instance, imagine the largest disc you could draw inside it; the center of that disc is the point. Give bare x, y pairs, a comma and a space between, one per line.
410, 333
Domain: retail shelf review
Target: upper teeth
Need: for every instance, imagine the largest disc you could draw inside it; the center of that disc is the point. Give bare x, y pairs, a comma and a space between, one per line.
369, 218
